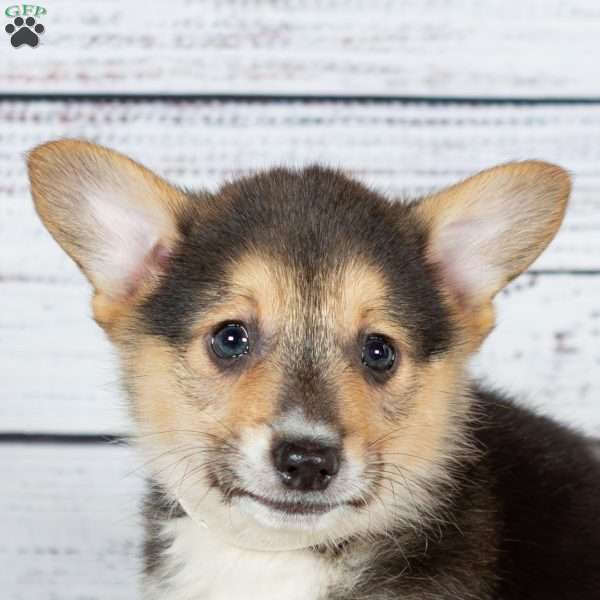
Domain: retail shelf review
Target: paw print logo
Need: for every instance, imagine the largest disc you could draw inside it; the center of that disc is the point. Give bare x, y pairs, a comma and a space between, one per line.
24, 32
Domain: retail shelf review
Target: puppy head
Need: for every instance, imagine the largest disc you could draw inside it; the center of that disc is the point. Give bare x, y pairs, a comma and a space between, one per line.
294, 345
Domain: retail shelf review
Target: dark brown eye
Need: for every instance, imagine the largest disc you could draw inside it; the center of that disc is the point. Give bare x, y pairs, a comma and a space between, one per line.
378, 353
231, 341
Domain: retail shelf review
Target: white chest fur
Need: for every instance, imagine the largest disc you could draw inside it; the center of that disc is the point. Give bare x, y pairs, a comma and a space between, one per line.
204, 567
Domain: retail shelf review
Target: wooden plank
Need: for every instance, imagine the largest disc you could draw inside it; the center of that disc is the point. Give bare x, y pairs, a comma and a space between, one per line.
374, 47
398, 148
69, 522
58, 369
545, 349
59, 376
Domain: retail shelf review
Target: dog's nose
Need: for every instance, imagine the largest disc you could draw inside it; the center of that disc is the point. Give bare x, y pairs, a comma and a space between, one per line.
306, 466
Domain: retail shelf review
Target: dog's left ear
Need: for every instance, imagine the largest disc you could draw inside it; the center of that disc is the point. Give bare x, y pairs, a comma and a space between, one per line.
116, 219
488, 229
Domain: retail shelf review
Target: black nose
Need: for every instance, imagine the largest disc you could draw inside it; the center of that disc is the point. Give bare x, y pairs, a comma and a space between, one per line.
306, 466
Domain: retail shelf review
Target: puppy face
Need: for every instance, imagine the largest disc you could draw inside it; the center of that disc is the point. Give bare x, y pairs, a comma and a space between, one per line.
294, 345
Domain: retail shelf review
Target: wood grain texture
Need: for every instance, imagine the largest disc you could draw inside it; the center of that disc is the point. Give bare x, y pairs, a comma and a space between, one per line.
401, 149
58, 370
68, 516
545, 350
467, 48
60, 376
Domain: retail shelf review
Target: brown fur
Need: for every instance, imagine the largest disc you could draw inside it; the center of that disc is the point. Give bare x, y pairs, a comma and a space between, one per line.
312, 263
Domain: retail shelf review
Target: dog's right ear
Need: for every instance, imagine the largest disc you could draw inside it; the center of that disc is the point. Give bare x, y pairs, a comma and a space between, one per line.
484, 231
114, 217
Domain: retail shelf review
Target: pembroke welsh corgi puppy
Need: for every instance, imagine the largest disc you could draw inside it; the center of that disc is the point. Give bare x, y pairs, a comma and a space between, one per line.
294, 348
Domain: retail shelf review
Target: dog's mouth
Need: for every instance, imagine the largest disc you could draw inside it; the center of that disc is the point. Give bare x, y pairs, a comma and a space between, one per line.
289, 507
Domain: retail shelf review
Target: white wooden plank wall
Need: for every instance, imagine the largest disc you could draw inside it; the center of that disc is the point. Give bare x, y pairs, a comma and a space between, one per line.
502, 48
230, 82
70, 529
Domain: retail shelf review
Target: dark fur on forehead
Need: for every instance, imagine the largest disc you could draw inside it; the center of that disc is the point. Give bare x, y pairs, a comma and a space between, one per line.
313, 221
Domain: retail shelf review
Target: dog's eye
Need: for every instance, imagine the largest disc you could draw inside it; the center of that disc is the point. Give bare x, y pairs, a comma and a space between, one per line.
230, 341
378, 354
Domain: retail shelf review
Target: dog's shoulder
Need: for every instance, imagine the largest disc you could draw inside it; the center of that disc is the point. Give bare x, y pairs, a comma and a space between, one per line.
546, 481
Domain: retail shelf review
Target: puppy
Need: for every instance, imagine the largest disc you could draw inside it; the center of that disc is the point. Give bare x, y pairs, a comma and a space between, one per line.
294, 348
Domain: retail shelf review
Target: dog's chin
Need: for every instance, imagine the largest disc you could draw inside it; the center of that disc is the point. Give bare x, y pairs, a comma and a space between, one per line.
255, 523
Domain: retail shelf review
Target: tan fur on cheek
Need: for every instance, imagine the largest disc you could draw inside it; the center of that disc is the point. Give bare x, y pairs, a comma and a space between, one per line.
242, 397
171, 404
190, 391
159, 404
373, 414
360, 416
412, 424
253, 398
430, 432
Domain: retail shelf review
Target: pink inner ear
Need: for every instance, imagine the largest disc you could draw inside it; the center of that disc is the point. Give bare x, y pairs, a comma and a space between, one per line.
155, 262
449, 263
161, 255
461, 250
